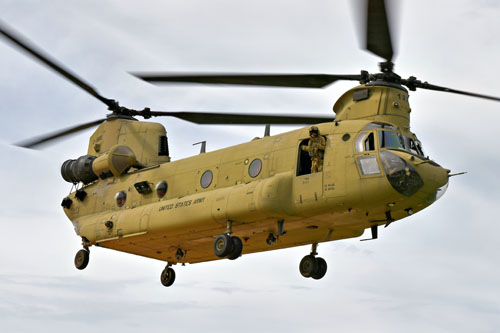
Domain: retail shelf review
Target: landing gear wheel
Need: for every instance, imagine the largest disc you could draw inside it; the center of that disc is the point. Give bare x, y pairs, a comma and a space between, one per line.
167, 277
321, 269
237, 248
308, 266
82, 259
223, 245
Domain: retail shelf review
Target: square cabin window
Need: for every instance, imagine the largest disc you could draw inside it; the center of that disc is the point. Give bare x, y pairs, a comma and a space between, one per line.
368, 165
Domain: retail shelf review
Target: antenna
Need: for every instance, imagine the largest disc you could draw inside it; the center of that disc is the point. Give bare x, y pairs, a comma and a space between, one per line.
267, 131
203, 148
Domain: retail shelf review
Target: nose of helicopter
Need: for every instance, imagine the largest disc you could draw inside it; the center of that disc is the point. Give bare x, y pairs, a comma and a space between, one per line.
435, 179
410, 175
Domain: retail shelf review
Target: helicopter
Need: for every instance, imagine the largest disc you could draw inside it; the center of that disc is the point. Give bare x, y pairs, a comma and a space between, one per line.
281, 226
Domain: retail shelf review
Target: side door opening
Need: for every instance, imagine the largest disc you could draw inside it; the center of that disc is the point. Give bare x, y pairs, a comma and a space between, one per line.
304, 160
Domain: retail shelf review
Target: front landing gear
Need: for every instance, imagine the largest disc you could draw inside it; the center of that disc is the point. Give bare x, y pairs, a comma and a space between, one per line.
227, 246
167, 276
312, 266
82, 258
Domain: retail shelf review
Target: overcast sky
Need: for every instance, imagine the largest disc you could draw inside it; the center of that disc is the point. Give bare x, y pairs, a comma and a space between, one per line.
437, 271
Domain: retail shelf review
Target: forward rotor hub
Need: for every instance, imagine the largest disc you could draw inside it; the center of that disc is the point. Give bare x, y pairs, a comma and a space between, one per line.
386, 66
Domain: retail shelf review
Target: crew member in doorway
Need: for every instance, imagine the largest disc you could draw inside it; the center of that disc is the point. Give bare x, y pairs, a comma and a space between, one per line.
316, 149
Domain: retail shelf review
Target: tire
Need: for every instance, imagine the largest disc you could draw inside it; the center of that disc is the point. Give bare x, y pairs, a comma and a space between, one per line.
82, 259
167, 277
308, 266
322, 267
237, 248
223, 245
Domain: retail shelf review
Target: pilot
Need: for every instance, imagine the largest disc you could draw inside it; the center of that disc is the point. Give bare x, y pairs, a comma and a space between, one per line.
316, 149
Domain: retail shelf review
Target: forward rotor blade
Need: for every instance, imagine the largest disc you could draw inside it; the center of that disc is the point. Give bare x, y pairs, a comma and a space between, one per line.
378, 33
461, 92
21, 42
36, 141
274, 80
412, 84
242, 119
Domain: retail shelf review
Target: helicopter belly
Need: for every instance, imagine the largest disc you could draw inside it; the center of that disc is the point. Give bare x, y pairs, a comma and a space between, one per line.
197, 246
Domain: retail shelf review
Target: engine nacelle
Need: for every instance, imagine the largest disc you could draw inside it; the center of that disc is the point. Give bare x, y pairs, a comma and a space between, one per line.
79, 170
88, 168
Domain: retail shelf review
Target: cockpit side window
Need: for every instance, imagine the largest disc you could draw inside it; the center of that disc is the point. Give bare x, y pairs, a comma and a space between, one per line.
370, 142
413, 146
410, 145
420, 150
365, 142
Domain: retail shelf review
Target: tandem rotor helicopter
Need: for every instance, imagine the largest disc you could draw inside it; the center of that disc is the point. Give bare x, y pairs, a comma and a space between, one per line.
266, 194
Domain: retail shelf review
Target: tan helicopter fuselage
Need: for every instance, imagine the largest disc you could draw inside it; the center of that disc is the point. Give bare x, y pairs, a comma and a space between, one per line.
261, 189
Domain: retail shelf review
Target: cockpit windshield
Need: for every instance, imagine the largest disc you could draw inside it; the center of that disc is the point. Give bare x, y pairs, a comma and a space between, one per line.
388, 139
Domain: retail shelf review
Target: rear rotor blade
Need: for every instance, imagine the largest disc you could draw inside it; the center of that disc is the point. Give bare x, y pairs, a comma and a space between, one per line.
37, 53
275, 80
378, 33
36, 141
242, 119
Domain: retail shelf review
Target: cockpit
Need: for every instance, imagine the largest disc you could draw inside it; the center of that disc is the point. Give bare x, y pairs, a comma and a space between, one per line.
375, 141
389, 138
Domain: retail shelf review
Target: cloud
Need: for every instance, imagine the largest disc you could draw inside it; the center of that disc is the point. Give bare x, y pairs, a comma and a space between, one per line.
434, 271
74, 299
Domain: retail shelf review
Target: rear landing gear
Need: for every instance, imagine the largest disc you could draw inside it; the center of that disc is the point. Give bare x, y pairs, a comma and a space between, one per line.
312, 266
322, 267
167, 276
82, 258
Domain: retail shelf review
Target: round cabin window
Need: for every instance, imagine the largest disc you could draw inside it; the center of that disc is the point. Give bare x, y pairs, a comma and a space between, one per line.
255, 168
161, 189
206, 179
121, 198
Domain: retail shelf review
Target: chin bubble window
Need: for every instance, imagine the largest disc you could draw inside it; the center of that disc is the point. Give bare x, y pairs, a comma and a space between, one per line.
402, 175
121, 198
206, 179
161, 189
255, 168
